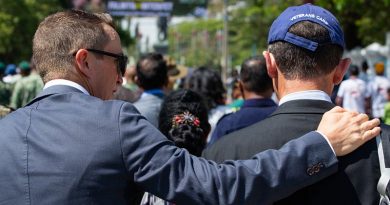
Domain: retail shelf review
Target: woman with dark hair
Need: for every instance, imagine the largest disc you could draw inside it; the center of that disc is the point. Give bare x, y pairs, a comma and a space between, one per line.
209, 84
184, 120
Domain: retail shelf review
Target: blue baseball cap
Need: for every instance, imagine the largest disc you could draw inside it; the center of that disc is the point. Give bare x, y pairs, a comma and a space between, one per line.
306, 12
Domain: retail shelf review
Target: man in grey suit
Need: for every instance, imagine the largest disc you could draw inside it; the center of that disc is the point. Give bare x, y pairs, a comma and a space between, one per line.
304, 60
72, 145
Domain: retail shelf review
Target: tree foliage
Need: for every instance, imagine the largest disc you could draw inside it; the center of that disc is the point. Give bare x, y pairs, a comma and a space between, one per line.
199, 42
20, 18
18, 22
363, 22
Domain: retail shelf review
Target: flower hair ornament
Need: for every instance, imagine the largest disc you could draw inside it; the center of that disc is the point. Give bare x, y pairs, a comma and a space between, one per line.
185, 118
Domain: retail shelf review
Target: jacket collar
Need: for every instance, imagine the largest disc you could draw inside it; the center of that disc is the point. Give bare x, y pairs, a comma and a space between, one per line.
55, 89
304, 107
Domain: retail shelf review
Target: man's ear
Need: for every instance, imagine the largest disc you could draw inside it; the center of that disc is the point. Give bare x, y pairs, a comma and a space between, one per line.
82, 63
341, 69
271, 64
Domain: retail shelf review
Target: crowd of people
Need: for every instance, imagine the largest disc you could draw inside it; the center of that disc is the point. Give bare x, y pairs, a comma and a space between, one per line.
366, 94
96, 131
18, 86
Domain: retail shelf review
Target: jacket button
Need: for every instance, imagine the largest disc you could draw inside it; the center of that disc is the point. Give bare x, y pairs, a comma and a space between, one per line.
310, 171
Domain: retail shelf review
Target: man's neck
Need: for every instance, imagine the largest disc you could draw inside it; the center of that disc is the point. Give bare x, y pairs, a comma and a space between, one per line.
292, 86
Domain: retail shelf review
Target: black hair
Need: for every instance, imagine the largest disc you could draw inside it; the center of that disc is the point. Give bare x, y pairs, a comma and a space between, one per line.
254, 75
152, 71
299, 63
364, 66
185, 135
208, 83
353, 70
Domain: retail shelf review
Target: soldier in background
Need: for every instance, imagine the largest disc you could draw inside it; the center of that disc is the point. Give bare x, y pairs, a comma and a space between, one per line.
5, 93
27, 87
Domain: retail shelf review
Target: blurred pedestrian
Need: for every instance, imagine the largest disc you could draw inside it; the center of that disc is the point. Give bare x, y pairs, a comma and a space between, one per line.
27, 87
5, 89
151, 77
11, 75
377, 89
256, 88
353, 93
208, 83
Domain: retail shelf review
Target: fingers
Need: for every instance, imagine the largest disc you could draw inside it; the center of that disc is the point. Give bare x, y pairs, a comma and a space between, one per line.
370, 129
367, 125
369, 134
361, 118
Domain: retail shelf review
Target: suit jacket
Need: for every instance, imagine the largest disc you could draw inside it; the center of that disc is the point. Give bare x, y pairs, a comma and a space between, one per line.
66, 147
252, 111
149, 106
354, 183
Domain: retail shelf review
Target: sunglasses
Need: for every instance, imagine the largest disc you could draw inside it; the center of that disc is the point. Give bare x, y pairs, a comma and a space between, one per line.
120, 58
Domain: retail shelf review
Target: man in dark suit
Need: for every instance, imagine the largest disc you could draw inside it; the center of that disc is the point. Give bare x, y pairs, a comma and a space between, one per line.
72, 145
304, 61
256, 89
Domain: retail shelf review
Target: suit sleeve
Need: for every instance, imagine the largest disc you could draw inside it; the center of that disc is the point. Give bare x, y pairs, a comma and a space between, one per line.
173, 174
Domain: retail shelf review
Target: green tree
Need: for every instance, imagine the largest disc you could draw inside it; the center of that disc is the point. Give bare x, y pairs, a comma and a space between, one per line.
18, 22
363, 22
20, 18
199, 42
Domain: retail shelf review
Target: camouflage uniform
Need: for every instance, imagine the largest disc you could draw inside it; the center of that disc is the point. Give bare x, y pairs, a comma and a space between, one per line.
5, 93
25, 90
4, 111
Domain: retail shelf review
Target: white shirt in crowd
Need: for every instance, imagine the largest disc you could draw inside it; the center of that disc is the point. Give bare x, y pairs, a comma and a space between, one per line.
378, 91
353, 92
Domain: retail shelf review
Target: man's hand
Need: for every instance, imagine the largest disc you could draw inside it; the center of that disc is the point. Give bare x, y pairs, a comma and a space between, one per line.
347, 130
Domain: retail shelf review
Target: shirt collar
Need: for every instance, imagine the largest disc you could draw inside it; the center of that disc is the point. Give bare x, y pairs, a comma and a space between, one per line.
306, 95
67, 83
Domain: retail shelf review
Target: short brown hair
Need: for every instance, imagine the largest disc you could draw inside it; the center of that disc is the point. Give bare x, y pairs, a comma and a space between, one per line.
60, 35
298, 63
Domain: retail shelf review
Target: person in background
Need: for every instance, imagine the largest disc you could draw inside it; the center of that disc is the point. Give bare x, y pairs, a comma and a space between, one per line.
128, 91
256, 88
377, 89
236, 96
208, 83
363, 74
183, 119
5, 89
353, 93
151, 77
27, 87
129, 79
176, 73
11, 75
